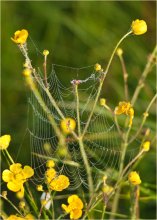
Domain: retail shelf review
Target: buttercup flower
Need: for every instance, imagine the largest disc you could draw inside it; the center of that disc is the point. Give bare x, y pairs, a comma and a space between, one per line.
134, 178
4, 141
27, 72
97, 67
50, 175
125, 108
14, 217
60, 183
119, 52
146, 146
45, 52
39, 188
74, 208
50, 163
20, 37
139, 27
68, 125
102, 101
16, 177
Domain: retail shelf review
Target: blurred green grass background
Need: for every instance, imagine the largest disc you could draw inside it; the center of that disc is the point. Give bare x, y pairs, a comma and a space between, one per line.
77, 33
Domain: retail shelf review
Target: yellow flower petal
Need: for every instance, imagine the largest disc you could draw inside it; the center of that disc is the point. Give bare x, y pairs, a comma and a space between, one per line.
50, 163
29, 217
75, 214
66, 209
146, 146
75, 202
28, 172
16, 168
7, 176
14, 186
20, 37
4, 141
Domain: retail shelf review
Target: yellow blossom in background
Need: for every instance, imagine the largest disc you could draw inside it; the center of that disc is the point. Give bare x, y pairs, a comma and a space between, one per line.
74, 208
126, 109
139, 27
22, 204
20, 37
16, 177
107, 189
4, 141
119, 52
39, 188
68, 125
102, 102
45, 52
27, 72
50, 163
146, 146
60, 183
134, 178
97, 67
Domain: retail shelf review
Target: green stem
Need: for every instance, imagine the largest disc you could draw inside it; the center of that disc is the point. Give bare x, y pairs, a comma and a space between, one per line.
11, 204
144, 119
102, 80
103, 212
9, 156
147, 69
88, 169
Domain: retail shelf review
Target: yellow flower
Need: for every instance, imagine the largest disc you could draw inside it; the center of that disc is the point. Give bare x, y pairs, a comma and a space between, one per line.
134, 178
4, 141
126, 109
102, 101
60, 183
14, 217
39, 188
45, 52
50, 175
20, 37
146, 146
16, 176
74, 208
27, 72
29, 217
139, 27
119, 52
50, 163
68, 125
107, 189
22, 204
97, 67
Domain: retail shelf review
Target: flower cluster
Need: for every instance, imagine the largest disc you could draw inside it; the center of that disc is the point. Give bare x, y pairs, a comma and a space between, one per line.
54, 181
74, 208
126, 109
16, 177
134, 178
4, 141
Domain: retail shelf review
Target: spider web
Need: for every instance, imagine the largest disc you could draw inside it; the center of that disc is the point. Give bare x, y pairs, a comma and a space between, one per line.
101, 141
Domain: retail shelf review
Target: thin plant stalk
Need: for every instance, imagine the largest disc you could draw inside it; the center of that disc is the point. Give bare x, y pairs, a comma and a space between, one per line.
144, 119
125, 77
102, 80
83, 153
146, 71
12, 204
